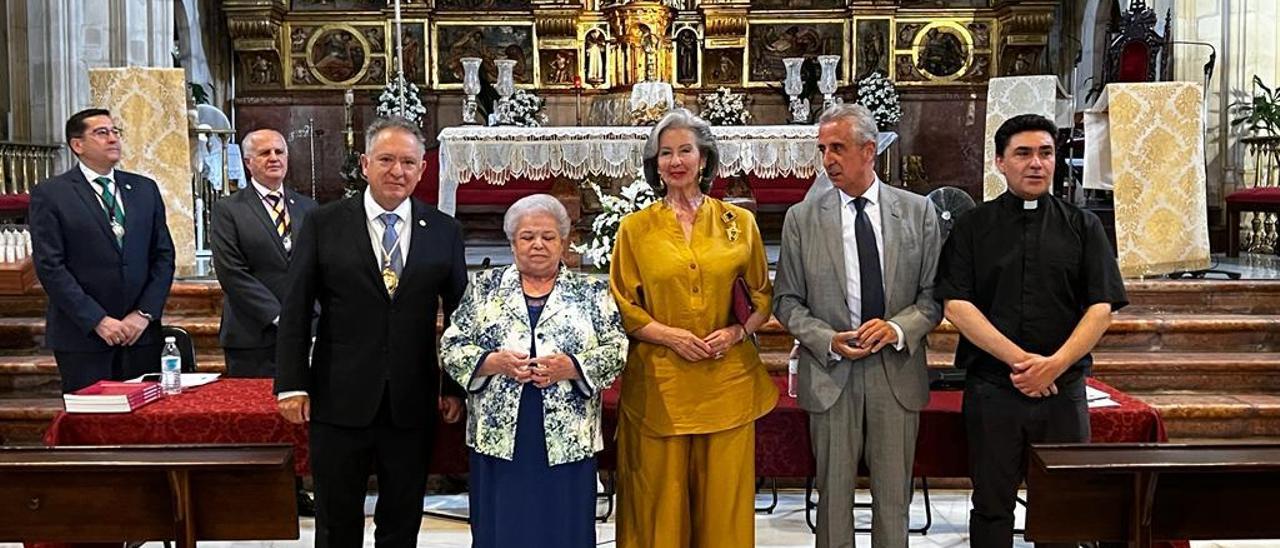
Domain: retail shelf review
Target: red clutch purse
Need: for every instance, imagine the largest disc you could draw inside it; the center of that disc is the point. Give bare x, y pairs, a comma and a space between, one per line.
742, 305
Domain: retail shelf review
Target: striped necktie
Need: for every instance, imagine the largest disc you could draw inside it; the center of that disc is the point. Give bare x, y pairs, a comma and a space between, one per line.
115, 212
279, 215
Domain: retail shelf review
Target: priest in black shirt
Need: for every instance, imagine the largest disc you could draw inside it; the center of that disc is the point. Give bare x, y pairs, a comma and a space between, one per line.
1031, 282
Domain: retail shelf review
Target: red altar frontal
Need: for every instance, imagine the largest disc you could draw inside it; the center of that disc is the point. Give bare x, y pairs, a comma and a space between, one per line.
238, 411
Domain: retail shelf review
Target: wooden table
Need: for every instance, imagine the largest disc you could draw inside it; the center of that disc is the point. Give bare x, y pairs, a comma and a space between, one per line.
1141, 493
183, 493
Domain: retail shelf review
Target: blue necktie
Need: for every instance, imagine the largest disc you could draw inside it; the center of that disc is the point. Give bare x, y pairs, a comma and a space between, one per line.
871, 278
391, 243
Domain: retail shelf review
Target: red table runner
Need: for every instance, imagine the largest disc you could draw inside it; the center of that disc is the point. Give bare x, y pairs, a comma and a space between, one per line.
244, 411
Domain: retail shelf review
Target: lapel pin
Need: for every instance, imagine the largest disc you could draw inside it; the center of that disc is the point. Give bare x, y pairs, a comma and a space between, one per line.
291, 202
422, 223
128, 187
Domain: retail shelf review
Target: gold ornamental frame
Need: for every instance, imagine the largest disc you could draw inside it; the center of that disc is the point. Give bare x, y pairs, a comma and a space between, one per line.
856, 39
955, 24
507, 20
323, 29
773, 19
356, 27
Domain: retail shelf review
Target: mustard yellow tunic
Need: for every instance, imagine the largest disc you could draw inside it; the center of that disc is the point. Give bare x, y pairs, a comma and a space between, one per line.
659, 276
686, 436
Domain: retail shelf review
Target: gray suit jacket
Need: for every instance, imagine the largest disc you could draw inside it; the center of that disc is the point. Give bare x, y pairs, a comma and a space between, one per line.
809, 293
251, 265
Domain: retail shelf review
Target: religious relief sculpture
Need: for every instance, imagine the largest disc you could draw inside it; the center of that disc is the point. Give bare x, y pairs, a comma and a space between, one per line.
298, 39
941, 53
261, 71
649, 43
687, 58
594, 57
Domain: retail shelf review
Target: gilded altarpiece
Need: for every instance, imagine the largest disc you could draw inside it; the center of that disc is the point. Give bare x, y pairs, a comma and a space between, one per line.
303, 54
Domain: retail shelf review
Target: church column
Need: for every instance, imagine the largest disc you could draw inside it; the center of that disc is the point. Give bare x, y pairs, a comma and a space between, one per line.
65, 38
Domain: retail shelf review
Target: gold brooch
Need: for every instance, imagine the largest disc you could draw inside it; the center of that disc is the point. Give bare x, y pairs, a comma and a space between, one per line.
731, 219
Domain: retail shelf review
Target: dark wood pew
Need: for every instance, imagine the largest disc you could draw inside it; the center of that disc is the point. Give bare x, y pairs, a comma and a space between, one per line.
1142, 493
147, 493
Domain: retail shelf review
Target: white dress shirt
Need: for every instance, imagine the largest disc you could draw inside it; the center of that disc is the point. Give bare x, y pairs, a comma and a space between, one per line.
262, 197
372, 212
90, 175
853, 276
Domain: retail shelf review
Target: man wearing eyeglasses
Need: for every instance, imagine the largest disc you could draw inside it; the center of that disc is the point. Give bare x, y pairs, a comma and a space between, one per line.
103, 253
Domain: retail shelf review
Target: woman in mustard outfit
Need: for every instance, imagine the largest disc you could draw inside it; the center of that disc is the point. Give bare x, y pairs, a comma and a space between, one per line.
693, 386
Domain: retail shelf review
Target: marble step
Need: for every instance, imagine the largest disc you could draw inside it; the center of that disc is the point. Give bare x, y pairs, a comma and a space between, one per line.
24, 420
1203, 297
188, 297
20, 335
1237, 372
1168, 333
1197, 415
36, 375
195, 297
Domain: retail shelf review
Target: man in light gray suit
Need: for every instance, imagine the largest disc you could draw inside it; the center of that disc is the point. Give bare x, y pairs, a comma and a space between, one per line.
861, 326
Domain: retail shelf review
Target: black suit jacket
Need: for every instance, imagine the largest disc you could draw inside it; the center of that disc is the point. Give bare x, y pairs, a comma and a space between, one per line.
252, 265
86, 274
364, 338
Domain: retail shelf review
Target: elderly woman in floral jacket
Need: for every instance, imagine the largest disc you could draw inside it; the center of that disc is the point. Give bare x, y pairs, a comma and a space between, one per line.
534, 344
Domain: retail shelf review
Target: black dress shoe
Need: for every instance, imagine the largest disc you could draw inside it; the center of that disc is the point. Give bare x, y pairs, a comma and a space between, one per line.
306, 504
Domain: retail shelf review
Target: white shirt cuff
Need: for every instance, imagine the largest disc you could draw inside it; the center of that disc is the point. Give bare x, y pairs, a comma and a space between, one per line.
901, 342
286, 395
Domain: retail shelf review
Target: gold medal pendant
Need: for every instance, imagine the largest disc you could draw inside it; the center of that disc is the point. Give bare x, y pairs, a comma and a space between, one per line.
390, 279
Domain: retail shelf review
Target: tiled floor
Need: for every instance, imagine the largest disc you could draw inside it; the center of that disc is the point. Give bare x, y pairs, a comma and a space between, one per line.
785, 527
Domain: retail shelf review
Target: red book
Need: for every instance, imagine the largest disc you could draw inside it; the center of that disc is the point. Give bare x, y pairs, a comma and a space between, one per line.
111, 397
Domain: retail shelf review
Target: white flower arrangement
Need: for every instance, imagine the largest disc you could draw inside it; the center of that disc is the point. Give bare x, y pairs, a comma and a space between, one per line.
725, 108
879, 95
524, 109
634, 197
389, 102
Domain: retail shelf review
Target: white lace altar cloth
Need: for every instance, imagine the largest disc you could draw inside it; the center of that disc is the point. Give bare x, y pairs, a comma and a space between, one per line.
498, 154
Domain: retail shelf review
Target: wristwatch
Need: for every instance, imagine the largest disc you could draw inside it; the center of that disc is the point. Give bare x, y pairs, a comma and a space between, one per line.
149, 317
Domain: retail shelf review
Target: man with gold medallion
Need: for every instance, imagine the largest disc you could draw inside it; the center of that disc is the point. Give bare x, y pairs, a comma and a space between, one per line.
379, 264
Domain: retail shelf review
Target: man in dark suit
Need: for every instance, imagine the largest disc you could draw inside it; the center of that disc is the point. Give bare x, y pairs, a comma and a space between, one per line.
103, 254
378, 264
252, 236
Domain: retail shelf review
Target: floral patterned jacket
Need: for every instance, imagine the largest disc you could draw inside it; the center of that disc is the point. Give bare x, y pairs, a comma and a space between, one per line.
580, 319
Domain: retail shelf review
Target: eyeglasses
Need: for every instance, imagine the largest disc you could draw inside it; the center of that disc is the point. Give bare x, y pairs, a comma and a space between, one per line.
103, 132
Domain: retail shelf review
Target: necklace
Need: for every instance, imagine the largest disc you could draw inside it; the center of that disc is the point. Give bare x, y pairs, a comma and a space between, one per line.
389, 276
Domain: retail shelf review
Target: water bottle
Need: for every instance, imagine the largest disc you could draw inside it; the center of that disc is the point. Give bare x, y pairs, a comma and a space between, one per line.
793, 369
171, 368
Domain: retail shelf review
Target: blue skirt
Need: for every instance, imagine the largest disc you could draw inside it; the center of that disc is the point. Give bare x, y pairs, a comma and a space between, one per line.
526, 503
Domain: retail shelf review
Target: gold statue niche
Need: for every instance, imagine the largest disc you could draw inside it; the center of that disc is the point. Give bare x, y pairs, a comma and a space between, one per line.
643, 51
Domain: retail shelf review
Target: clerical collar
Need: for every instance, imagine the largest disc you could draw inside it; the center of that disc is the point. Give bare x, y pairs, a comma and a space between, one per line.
1012, 202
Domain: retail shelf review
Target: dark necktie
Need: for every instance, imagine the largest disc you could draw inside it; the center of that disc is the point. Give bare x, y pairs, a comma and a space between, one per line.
115, 213
868, 263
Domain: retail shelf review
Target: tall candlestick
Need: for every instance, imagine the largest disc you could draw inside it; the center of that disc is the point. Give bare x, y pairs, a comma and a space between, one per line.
399, 62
